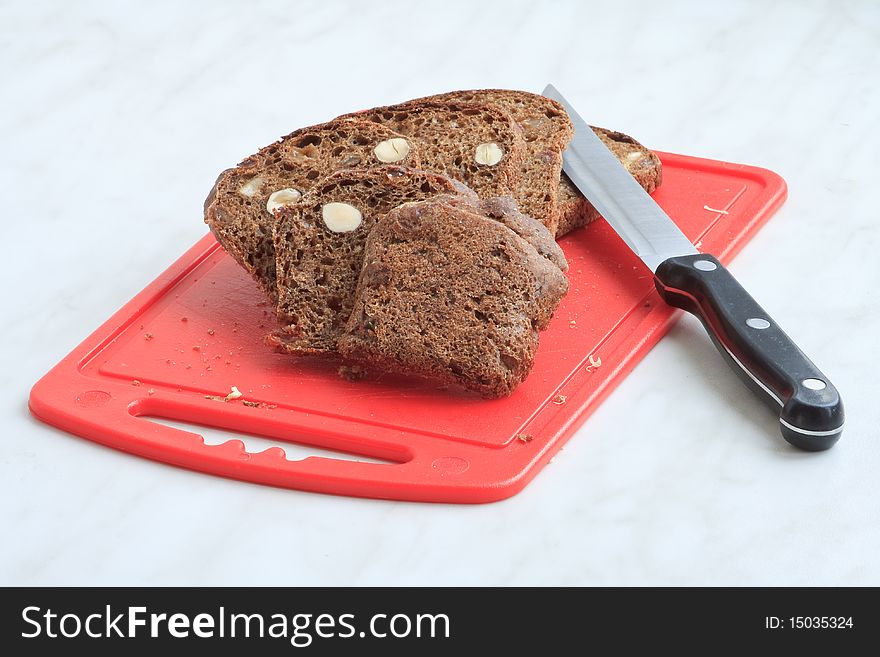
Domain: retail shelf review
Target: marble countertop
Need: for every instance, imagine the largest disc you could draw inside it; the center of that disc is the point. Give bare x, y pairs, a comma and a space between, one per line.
116, 121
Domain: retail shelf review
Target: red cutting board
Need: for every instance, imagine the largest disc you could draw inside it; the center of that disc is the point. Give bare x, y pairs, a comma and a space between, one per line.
197, 330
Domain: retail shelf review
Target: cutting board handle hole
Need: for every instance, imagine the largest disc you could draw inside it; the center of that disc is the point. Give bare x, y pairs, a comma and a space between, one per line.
257, 444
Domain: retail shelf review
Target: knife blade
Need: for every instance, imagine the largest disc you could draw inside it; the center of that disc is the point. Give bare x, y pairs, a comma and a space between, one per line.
809, 407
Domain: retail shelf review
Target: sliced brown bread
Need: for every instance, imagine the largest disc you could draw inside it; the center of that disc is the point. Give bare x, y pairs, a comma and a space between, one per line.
478, 145
644, 165
319, 247
236, 209
546, 130
452, 295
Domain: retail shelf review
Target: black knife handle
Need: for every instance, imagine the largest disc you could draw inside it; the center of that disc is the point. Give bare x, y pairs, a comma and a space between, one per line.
809, 406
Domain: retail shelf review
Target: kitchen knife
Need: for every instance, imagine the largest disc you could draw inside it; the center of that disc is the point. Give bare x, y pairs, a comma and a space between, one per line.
810, 410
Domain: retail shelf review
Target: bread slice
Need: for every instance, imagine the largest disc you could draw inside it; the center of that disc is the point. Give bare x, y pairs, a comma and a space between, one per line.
478, 145
546, 130
451, 295
645, 166
319, 246
236, 209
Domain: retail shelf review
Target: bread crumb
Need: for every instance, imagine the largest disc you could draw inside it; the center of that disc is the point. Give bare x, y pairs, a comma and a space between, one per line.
196, 348
595, 363
525, 437
148, 336
234, 393
184, 319
559, 399
251, 404
352, 372
706, 207
210, 331
135, 382
151, 392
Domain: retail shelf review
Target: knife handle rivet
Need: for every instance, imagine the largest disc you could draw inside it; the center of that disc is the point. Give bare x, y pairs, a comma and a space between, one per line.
757, 323
705, 265
814, 384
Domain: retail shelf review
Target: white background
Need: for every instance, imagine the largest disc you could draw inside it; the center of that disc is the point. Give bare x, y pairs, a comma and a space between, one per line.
115, 120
